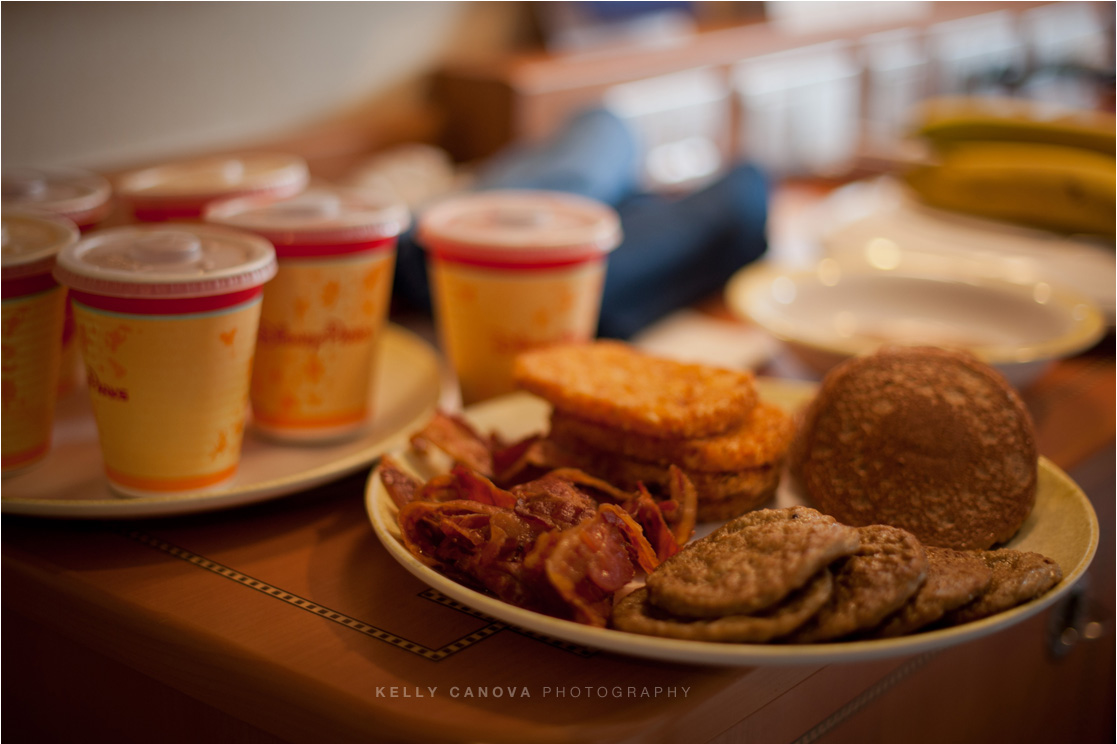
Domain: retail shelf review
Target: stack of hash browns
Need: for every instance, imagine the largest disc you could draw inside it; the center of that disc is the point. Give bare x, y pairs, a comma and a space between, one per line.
626, 416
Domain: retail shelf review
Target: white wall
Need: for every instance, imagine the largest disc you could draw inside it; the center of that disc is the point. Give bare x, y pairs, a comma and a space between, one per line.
101, 85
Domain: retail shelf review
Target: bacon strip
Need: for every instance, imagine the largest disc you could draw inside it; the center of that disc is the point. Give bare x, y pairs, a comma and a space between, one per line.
649, 515
478, 544
682, 513
582, 567
400, 486
476, 487
553, 502
640, 549
454, 436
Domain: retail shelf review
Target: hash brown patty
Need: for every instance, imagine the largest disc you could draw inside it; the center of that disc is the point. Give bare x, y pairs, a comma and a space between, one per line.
610, 383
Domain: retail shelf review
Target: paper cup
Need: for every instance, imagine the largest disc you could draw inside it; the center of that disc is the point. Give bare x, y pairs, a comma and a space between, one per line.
81, 196
33, 317
512, 271
324, 313
181, 191
166, 323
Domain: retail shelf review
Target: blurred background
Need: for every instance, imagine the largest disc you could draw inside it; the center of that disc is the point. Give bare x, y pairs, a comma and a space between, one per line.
801, 87
709, 126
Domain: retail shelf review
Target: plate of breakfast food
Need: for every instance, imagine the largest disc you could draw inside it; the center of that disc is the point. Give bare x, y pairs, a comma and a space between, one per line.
679, 512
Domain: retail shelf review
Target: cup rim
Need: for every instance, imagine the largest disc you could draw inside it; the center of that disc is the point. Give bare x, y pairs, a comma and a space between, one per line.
592, 229
85, 208
255, 271
42, 260
379, 222
155, 185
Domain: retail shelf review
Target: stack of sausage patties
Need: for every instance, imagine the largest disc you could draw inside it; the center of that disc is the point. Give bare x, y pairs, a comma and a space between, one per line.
627, 417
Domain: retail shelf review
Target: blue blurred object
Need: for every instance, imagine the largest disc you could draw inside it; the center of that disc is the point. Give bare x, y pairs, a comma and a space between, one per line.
624, 11
675, 251
594, 155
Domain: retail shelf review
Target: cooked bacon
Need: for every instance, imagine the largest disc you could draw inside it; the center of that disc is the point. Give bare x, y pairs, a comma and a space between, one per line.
401, 486
529, 459
681, 508
476, 487
599, 490
553, 502
539, 533
442, 487
458, 439
650, 516
443, 532
640, 550
512, 461
582, 568
478, 544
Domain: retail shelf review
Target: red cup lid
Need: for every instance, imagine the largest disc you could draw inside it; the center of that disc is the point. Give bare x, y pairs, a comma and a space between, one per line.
32, 240
166, 260
78, 194
320, 215
512, 226
197, 182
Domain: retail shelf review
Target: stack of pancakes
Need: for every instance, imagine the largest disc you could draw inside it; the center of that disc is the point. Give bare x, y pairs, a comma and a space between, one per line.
627, 417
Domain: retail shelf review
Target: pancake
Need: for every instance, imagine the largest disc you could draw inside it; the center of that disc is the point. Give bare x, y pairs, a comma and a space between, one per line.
749, 564
954, 578
636, 614
926, 439
869, 585
1017, 577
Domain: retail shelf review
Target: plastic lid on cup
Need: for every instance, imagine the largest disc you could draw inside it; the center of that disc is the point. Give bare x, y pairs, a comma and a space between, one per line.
167, 260
206, 179
80, 195
32, 240
322, 214
520, 226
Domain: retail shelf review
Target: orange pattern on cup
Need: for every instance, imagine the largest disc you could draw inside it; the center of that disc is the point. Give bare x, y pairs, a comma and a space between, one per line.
315, 353
487, 317
32, 354
169, 393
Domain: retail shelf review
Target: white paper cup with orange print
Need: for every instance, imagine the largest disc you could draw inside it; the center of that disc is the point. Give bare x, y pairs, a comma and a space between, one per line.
81, 196
181, 191
324, 313
166, 322
33, 317
512, 271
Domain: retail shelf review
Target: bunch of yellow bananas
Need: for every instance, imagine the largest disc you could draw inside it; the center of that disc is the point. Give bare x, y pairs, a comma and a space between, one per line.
1010, 160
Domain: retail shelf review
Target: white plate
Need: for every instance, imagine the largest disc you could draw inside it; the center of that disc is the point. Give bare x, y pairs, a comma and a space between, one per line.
858, 222
834, 310
70, 482
1062, 526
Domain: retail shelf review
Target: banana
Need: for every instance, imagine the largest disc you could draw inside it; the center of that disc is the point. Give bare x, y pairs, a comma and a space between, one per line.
1054, 187
944, 122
